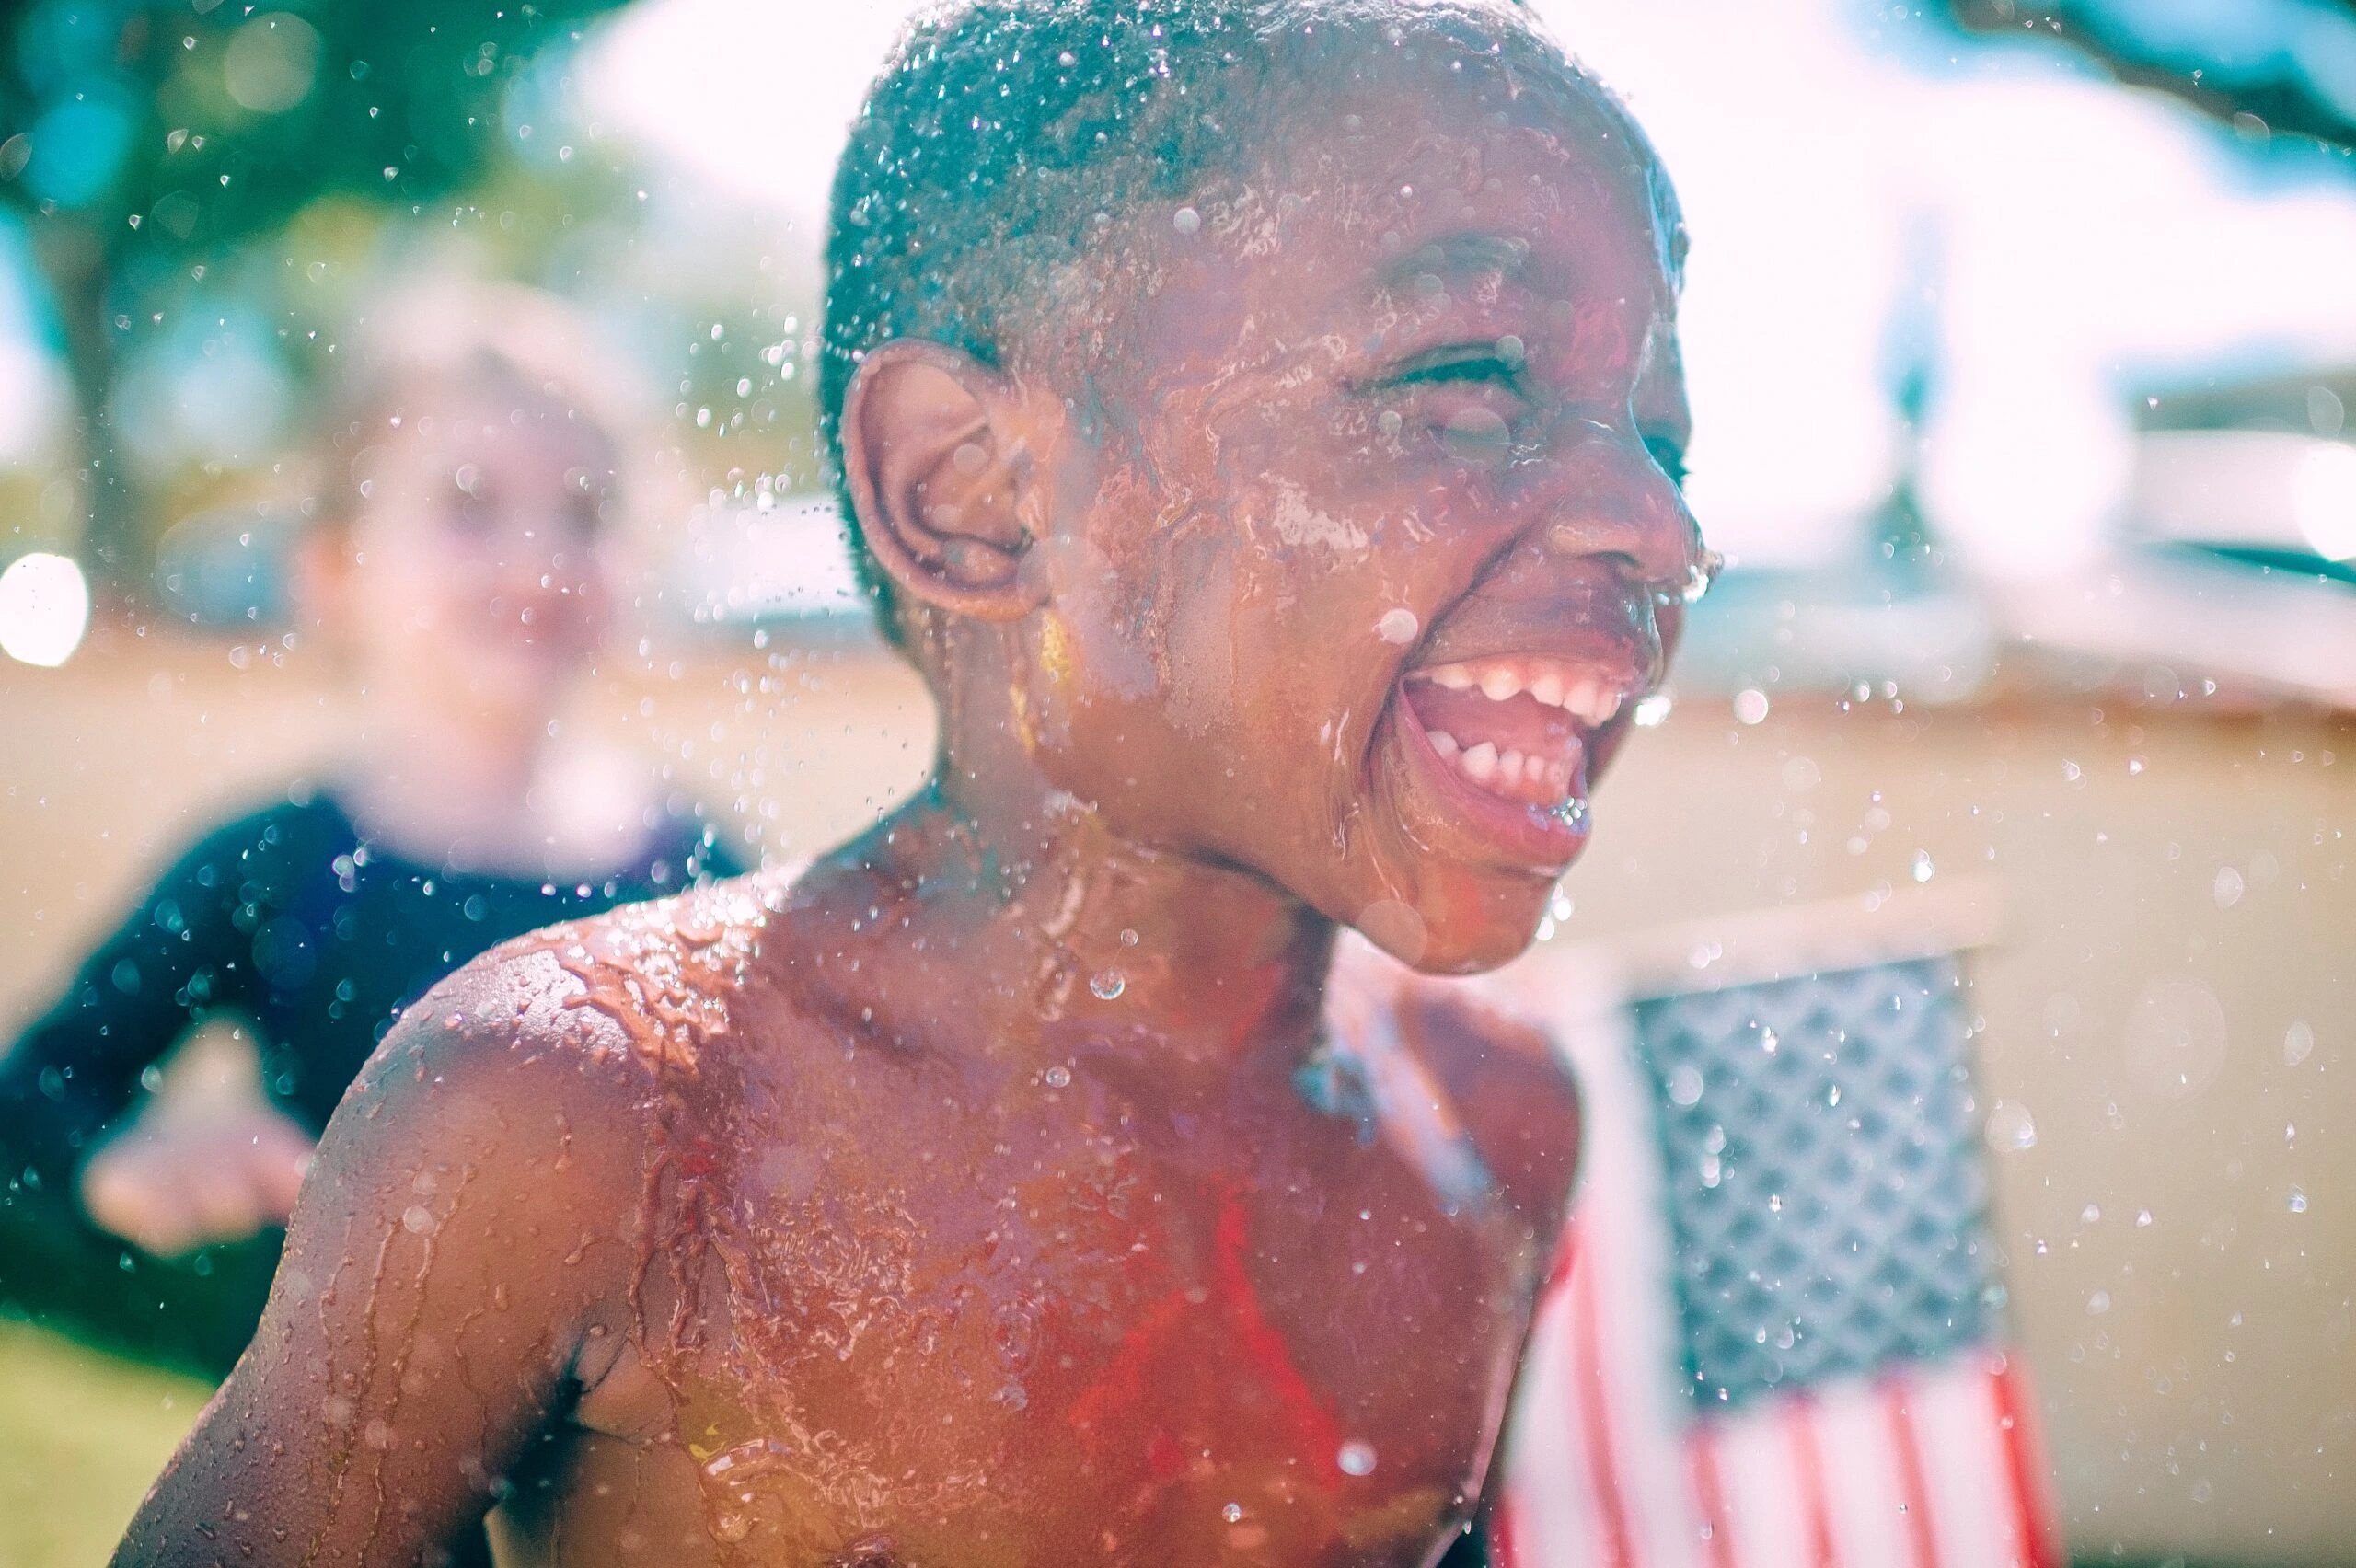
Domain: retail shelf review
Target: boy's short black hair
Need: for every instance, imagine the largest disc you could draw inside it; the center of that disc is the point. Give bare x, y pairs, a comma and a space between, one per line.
1003, 135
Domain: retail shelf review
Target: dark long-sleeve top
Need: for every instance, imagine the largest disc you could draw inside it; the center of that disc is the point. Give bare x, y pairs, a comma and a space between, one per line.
292, 919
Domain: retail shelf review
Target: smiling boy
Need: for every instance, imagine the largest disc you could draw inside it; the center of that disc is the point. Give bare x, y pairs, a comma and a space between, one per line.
1261, 422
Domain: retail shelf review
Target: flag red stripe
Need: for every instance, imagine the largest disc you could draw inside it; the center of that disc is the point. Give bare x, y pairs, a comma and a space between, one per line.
1702, 1451
1909, 1449
2023, 1468
1504, 1534
1800, 1425
1565, 1254
1601, 1460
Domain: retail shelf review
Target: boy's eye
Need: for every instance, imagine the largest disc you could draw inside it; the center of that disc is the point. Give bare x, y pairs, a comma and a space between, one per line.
1483, 363
1668, 457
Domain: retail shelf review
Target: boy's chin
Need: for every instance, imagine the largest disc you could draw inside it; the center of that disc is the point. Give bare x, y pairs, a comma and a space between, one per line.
1458, 941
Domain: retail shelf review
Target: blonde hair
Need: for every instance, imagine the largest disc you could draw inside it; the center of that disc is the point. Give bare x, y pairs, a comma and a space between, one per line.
426, 338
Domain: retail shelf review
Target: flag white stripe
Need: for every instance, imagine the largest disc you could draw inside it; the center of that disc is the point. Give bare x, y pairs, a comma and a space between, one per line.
1761, 1479
1973, 1503
1864, 1491
1555, 1503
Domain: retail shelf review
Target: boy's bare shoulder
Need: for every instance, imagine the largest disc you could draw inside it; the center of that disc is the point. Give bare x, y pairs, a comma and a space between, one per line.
597, 1024
650, 992
1502, 1076
1509, 1085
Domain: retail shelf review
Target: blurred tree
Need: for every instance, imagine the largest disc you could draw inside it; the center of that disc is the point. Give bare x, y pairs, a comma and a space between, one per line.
145, 142
2262, 65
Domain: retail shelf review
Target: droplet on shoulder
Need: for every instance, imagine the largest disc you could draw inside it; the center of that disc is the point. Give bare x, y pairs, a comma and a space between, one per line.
1357, 1458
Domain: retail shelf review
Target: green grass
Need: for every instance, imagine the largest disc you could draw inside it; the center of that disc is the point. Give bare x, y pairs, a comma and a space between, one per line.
82, 1434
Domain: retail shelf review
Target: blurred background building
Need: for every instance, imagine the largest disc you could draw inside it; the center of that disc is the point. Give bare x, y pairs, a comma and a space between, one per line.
2022, 340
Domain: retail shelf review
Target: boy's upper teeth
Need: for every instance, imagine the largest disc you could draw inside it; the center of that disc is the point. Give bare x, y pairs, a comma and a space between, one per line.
1584, 695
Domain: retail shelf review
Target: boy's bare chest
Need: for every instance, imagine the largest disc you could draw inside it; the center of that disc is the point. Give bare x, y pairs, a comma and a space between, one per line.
1077, 1331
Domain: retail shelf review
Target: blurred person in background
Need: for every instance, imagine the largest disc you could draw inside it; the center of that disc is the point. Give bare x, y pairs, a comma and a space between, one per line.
464, 568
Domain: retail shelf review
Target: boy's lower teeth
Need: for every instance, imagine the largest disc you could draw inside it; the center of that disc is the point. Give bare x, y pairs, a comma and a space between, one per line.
1540, 781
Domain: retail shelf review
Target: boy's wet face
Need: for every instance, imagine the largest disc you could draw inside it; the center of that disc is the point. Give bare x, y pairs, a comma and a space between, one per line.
1383, 544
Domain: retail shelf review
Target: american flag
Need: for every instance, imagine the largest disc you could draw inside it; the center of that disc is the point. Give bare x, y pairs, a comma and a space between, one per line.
1773, 1336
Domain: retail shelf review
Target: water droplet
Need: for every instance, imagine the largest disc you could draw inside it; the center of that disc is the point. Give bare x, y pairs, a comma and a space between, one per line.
1701, 574
1185, 220
1685, 1084
2325, 413
1652, 710
2228, 888
2090, 1214
2298, 1201
1390, 422
1750, 706
1398, 628
1476, 435
2298, 1042
1059, 1076
417, 1219
2098, 1303
1232, 1513
1924, 866
1108, 985
2011, 1129
1357, 1458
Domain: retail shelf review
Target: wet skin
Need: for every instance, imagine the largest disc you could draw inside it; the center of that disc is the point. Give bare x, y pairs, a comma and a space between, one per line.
983, 1196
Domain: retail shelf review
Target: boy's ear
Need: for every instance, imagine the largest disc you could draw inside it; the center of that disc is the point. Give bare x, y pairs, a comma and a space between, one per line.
937, 464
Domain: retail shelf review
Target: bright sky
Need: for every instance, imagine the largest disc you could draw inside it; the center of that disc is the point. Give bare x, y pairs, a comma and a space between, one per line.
753, 95
2050, 240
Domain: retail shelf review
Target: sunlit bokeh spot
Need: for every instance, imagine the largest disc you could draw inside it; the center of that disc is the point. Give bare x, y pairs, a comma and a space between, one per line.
2323, 496
44, 609
271, 62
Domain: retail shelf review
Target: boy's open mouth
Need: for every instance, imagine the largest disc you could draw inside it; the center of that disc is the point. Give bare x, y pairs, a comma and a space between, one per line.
1515, 738
1516, 726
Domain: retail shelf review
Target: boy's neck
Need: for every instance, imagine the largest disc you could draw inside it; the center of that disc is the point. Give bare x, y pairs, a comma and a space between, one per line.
1031, 915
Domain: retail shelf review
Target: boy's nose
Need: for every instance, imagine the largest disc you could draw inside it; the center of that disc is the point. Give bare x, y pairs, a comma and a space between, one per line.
1608, 498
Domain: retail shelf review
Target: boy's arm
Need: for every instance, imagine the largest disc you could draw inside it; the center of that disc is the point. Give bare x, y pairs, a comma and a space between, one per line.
468, 1226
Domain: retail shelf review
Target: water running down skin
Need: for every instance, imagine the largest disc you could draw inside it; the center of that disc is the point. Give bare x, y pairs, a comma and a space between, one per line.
990, 1194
